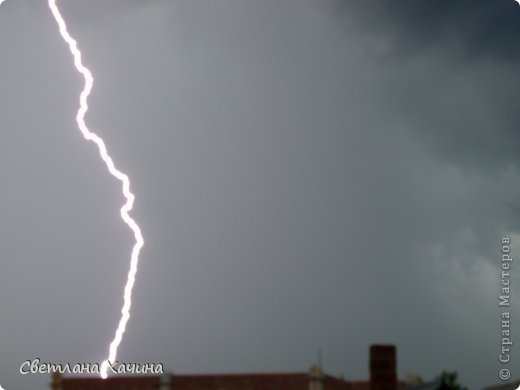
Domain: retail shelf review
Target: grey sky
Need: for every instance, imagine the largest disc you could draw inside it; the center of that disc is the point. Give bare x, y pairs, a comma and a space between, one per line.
309, 174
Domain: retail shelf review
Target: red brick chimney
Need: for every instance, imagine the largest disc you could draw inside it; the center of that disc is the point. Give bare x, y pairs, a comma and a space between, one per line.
383, 367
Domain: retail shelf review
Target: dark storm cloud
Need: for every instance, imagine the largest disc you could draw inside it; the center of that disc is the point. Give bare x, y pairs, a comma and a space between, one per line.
474, 46
473, 28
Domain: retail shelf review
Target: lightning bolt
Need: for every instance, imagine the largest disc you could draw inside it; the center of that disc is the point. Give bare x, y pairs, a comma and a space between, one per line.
129, 196
125, 181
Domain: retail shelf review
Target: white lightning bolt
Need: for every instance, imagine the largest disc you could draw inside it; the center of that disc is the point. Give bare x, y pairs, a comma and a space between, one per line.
129, 196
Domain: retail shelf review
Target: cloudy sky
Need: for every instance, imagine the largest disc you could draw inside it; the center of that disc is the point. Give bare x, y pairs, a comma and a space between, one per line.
309, 174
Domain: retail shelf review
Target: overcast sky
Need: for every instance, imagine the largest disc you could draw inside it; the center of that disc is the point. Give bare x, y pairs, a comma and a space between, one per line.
308, 174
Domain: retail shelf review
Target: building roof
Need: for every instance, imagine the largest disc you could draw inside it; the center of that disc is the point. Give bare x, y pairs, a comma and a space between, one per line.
289, 381
269, 381
119, 382
240, 381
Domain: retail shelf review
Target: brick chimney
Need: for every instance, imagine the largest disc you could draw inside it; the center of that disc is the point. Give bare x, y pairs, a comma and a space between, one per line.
383, 367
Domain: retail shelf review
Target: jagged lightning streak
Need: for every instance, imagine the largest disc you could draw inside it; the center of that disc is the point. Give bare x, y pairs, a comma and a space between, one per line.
129, 196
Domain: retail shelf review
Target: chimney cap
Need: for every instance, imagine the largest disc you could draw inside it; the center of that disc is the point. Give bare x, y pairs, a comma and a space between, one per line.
383, 346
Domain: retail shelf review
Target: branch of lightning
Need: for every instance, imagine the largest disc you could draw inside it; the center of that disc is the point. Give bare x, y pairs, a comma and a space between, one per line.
123, 178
